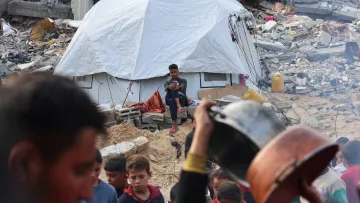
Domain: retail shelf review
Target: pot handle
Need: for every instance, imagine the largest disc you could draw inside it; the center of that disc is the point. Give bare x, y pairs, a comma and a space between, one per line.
281, 173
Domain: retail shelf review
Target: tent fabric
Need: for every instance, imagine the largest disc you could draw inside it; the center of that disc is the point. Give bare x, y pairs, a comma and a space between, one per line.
139, 39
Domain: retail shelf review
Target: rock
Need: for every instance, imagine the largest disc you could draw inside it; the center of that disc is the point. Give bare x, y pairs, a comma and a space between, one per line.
312, 111
169, 121
126, 148
352, 118
275, 36
310, 121
288, 37
179, 115
191, 111
339, 98
323, 8
142, 144
294, 98
268, 26
306, 49
150, 117
153, 158
271, 46
275, 60
314, 94
324, 38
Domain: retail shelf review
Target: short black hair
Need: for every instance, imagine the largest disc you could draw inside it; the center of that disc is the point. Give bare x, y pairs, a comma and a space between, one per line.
116, 164
98, 158
173, 67
48, 109
220, 174
229, 191
351, 152
174, 191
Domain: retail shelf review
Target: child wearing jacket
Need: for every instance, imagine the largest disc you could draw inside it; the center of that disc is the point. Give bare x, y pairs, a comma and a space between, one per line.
140, 191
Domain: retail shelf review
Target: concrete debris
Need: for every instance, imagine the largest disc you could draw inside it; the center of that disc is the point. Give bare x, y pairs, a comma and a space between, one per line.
40, 10
127, 148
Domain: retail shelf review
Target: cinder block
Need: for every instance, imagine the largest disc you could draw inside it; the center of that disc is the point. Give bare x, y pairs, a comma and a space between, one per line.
168, 121
179, 115
151, 127
156, 118
142, 144
36, 9
128, 113
191, 111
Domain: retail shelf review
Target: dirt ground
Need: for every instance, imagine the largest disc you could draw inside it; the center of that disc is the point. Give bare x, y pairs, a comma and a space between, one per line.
165, 167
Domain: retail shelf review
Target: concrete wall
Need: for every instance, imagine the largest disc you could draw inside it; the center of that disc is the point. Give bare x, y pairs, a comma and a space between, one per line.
3, 6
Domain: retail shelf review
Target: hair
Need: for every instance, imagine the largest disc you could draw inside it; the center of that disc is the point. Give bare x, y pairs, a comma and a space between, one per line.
98, 158
174, 191
138, 162
331, 200
48, 109
116, 164
229, 191
173, 67
351, 152
219, 174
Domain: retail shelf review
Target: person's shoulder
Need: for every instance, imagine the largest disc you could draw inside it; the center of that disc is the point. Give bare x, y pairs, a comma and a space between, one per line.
107, 186
125, 198
182, 79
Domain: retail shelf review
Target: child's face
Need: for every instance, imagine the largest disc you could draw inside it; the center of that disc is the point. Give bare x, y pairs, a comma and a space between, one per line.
95, 173
116, 179
139, 180
217, 182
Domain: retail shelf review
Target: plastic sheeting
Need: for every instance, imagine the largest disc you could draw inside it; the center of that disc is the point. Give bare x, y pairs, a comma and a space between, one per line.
139, 39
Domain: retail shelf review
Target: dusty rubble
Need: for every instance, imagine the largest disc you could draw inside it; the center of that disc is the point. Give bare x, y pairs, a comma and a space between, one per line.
34, 44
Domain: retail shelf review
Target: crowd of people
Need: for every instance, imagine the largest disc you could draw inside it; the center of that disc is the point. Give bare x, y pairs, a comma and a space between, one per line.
48, 132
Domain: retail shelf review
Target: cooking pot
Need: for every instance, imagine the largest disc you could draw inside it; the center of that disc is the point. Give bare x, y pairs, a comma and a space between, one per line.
297, 154
241, 130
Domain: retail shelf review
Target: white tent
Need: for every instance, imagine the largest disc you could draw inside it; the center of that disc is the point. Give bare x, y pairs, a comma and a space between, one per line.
136, 40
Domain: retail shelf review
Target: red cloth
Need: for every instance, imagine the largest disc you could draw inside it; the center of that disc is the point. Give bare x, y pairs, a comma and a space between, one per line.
269, 18
154, 194
153, 104
352, 179
216, 201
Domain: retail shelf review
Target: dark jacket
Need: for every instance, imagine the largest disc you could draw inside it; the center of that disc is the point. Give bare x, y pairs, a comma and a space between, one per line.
182, 84
130, 197
188, 141
192, 187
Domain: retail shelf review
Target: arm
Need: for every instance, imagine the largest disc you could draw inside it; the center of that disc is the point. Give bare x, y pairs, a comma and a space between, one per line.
193, 178
166, 85
188, 140
183, 86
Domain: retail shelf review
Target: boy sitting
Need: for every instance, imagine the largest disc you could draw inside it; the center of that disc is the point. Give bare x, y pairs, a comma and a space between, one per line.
140, 191
103, 192
115, 169
229, 192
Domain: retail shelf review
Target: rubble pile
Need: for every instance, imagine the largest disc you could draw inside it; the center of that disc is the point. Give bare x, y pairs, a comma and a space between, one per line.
316, 56
36, 46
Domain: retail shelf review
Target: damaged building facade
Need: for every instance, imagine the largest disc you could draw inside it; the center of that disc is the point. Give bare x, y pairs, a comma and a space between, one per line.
64, 9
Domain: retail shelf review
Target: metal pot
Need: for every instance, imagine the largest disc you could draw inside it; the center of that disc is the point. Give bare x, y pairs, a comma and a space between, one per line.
241, 130
277, 170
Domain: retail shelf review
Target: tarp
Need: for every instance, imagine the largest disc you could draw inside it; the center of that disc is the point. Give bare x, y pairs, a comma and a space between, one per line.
139, 39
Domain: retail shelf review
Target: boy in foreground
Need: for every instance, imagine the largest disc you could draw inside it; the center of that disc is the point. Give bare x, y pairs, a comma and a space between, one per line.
229, 192
48, 130
115, 169
103, 192
351, 155
140, 191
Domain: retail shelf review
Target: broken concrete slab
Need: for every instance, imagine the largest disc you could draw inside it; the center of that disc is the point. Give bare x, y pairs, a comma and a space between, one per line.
347, 13
272, 46
36, 9
332, 51
322, 8
179, 115
268, 26
191, 111
142, 144
149, 117
109, 115
3, 6
324, 38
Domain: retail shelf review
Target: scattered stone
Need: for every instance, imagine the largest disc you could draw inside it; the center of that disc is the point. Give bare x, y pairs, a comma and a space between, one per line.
352, 118
310, 121
268, 26
324, 38
153, 158
142, 144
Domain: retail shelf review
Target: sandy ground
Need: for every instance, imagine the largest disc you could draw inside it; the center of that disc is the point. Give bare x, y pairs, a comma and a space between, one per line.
165, 167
